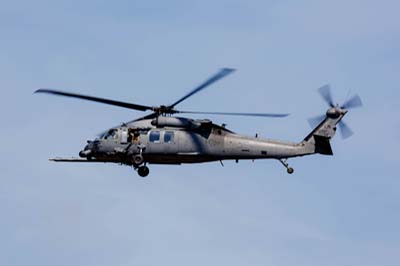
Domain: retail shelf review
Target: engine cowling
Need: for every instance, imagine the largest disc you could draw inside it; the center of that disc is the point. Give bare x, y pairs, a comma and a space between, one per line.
179, 122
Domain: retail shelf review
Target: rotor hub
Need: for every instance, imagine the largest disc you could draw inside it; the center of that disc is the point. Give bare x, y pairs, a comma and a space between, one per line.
163, 110
333, 112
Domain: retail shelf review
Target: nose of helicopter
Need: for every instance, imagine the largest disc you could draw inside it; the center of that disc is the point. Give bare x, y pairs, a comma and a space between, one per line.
85, 153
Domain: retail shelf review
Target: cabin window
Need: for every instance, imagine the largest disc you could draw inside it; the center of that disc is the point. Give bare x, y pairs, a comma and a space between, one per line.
169, 136
154, 136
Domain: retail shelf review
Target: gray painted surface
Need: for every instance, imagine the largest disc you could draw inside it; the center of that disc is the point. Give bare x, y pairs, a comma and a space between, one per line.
196, 141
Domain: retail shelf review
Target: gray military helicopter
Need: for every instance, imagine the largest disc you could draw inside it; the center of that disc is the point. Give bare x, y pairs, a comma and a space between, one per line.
161, 138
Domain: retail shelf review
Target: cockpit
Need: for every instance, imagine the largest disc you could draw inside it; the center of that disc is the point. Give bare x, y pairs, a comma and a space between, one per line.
124, 135
112, 134
116, 134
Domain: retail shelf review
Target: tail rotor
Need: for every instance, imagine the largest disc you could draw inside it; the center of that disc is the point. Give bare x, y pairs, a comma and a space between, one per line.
336, 110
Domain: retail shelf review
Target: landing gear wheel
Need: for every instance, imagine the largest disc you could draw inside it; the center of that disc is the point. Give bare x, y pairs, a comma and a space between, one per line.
289, 169
143, 171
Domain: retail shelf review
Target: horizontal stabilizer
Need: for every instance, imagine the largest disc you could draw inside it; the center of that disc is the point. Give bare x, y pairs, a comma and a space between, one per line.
75, 160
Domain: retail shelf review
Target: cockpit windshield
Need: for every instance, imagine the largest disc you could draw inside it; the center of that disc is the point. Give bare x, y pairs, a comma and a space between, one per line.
112, 134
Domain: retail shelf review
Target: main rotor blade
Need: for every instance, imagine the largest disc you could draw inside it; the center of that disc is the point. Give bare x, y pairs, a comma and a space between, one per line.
237, 114
325, 92
219, 75
353, 102
345, 130
96, 99
315, 121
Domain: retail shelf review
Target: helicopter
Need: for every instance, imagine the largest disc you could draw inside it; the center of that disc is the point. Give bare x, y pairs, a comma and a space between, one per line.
161, 137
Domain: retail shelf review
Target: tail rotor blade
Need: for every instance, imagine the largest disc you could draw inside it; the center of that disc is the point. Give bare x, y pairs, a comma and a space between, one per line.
353, 102
325, 92
315, 121
345, 130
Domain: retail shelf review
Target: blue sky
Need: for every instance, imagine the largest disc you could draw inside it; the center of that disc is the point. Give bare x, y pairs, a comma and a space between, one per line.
340, 210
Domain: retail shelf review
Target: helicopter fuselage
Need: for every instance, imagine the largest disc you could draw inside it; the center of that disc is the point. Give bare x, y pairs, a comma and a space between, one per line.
182, 140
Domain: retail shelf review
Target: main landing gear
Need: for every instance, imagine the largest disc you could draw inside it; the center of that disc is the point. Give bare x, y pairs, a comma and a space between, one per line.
289, 169
139, 163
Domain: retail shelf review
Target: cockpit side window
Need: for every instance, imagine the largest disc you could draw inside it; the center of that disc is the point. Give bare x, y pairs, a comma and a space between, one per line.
154, 136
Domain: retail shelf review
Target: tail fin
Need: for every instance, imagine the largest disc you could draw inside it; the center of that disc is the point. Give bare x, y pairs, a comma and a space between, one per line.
318, 141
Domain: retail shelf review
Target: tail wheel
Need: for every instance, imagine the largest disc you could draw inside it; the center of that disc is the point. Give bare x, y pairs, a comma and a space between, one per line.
143, 171
290, 170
